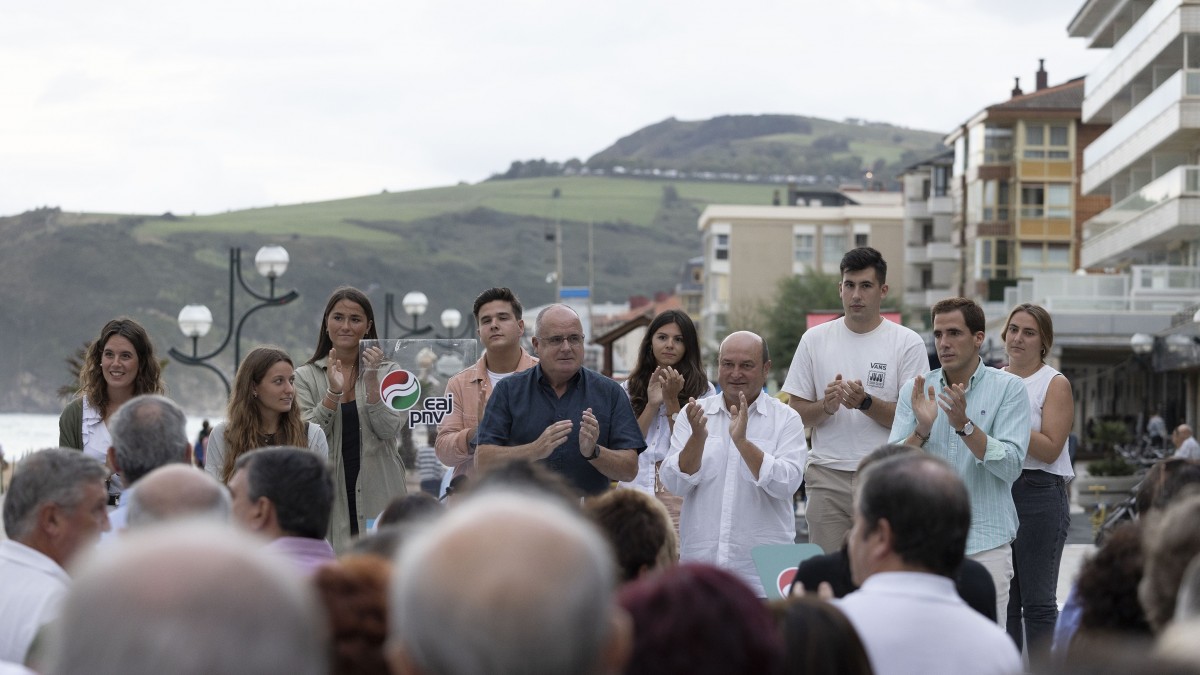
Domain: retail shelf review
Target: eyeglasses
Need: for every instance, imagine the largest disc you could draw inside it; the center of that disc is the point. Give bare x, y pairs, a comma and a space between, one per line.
557, 340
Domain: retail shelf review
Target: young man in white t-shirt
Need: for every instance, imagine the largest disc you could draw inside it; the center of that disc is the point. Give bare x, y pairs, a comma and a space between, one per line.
844, 381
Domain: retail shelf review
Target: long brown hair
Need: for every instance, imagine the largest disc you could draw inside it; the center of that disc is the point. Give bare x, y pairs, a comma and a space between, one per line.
91, 376
324, 344
695, 383
244, 423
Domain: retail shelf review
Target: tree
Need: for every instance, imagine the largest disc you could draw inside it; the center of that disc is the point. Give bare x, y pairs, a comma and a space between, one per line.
787, 315
796, 297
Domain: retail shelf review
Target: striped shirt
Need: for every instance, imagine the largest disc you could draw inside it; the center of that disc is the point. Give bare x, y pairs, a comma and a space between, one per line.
997, 405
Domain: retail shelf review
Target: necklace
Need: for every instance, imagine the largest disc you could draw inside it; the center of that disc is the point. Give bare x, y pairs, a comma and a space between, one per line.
268, 439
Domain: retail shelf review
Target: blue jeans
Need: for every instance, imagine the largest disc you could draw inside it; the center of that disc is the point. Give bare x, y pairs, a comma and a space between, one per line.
1044, 513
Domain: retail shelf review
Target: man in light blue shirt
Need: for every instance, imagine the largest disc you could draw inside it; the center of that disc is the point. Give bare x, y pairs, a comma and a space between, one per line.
977, 419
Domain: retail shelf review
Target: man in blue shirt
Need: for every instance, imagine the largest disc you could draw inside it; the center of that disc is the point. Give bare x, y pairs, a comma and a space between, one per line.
977, 419
574, 420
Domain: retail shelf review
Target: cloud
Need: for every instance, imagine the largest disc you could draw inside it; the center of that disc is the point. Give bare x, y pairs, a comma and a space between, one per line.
148, 107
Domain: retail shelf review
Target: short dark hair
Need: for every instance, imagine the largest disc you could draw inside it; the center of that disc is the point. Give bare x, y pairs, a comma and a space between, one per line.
861, 258
636, 524
926, 505
297, 482
971, 311
415, 507
497, 293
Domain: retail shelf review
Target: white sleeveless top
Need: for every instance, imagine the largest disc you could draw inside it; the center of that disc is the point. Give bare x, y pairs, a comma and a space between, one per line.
1036, 386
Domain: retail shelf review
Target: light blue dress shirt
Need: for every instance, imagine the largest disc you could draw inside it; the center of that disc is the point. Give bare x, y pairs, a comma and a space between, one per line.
997, 405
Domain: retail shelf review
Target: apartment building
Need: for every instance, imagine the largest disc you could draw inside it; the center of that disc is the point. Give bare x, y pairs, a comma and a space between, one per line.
748, 249
1147, 90
931, 257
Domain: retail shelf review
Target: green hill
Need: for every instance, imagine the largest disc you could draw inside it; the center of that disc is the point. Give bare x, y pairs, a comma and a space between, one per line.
62, 275
764, 146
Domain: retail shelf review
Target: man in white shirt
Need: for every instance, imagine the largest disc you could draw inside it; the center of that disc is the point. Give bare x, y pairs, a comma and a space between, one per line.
910, 530
844, 381
736, 462
55, 509
1185, 444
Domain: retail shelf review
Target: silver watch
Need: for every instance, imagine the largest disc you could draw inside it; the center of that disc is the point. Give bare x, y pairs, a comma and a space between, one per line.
967, 430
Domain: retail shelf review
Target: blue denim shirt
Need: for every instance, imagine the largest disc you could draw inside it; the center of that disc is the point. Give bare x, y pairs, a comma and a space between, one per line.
524, 404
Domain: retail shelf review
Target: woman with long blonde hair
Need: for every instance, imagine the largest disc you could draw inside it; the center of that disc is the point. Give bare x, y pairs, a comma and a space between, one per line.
262, 412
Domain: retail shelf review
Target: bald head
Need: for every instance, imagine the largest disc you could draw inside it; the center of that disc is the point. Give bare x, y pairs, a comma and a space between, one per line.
742, 367
177, 491
505, 584
193, 598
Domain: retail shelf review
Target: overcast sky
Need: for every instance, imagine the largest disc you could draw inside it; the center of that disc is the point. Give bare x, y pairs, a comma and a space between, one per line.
150, 106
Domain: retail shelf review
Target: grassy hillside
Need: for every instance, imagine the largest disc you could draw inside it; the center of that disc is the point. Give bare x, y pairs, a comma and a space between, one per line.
581, 199
772, 145
63, 275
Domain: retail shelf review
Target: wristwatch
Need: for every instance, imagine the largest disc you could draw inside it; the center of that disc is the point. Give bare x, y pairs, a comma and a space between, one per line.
866, 403
595, 453
967, 430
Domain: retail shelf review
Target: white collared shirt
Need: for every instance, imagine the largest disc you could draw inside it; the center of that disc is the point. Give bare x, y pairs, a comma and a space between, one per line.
96, 439
31, 594
913, 622
727, 512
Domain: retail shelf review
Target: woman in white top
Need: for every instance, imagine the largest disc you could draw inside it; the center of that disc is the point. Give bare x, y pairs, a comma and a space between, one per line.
118, 365
262, 413
668, 372
1040, 493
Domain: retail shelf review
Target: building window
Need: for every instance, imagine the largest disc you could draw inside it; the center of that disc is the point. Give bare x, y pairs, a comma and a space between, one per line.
860, 240
925, 189
926, 232
1045, 200
993, 259
833, 247
941, 181
995, 201
1047, 141
804, 249
997, 145
721, 247
1045, 257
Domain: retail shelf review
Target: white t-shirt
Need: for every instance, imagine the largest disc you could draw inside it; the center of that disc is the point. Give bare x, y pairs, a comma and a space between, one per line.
884, 359
494, 379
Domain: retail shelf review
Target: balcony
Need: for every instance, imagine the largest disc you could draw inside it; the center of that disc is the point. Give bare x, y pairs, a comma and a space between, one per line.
1161, 117
1101, 309
943, 205
1164, 211
916, 208
1134, 51
941, 250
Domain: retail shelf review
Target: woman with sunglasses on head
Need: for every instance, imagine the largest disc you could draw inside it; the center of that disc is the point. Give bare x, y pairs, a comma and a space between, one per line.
1040, 492
261, 413
362, 430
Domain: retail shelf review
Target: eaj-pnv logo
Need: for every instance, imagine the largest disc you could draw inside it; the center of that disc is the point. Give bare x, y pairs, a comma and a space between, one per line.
400, 389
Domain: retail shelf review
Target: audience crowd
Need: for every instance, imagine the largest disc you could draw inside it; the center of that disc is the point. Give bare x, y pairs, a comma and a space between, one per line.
302, 550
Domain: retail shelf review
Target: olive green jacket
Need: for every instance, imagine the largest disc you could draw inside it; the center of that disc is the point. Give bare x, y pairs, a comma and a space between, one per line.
70, 425
381, 474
